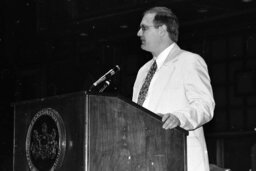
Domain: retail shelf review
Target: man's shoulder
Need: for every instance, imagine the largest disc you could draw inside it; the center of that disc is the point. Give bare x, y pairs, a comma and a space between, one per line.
179, 54
187, 58
185, 55
188, 54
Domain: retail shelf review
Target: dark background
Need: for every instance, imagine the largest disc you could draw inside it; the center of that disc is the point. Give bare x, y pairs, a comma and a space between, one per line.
53, 47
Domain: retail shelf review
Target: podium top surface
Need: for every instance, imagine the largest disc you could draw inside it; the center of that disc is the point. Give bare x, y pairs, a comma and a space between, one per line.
87, 94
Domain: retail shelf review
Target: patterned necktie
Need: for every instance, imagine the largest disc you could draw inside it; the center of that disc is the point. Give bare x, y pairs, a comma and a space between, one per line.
145, 86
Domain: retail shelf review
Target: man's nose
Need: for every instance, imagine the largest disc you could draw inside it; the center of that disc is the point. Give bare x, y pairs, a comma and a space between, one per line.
139, 33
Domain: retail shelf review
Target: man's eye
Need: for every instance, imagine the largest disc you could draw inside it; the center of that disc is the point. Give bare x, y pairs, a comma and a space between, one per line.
143, 28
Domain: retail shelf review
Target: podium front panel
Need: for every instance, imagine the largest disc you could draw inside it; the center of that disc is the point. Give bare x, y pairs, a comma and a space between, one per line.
125, 137
39, 141
81, 132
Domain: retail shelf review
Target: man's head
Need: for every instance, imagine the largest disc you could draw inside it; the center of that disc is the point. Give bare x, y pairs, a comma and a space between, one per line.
158, 29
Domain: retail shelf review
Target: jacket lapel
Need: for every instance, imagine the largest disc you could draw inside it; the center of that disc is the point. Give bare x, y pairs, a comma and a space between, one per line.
164, 74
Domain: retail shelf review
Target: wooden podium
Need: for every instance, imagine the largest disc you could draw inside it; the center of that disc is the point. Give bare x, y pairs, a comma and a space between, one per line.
88, 132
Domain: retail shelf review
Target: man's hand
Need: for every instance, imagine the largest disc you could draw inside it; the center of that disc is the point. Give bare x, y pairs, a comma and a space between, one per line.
170, 121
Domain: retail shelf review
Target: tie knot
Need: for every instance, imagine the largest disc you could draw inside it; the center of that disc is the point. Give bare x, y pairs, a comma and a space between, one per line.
153, 67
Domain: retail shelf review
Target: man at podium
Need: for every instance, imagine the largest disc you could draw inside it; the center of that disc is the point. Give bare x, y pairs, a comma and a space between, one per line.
175, 83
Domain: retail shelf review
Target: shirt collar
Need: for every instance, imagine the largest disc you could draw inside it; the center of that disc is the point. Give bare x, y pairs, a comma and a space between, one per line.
163, 55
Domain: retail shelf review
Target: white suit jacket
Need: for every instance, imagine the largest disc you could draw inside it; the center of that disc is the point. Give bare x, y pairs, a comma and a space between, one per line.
183, 88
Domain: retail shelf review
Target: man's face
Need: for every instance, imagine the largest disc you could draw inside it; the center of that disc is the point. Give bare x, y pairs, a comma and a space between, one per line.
149, 35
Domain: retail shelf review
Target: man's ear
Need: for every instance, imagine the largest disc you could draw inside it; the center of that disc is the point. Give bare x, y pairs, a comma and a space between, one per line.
163, 29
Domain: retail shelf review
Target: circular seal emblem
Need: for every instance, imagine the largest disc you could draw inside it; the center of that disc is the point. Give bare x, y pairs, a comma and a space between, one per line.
46, 141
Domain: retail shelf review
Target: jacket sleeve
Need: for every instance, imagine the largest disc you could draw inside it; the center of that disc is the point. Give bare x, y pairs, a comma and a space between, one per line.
198, 92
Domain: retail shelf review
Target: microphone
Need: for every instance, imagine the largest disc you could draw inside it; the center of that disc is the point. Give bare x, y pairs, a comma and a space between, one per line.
106, 84
106, 76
